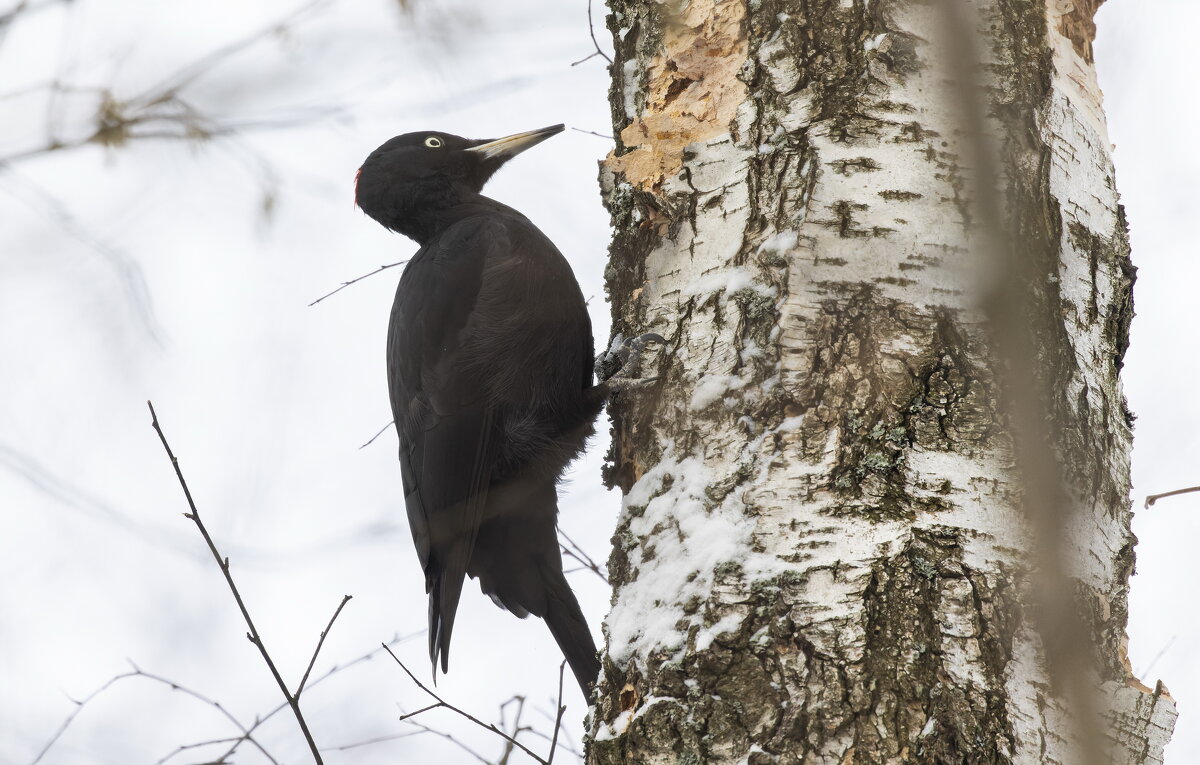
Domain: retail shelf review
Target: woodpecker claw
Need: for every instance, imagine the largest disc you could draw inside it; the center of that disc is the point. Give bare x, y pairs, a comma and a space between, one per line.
625, 355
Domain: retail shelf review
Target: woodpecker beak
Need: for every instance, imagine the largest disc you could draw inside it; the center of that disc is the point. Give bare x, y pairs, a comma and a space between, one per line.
510, 146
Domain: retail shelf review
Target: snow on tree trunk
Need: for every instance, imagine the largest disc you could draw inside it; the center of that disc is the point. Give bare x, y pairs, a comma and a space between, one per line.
823, 554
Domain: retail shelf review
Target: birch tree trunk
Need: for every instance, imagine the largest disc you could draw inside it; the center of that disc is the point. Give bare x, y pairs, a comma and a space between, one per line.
826, 552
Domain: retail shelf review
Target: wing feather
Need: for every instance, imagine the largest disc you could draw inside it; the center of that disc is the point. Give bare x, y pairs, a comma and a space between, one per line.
446, 421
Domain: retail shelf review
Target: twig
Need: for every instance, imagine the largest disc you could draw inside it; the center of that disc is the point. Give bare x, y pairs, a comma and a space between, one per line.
443, 703
588, 57
371, 440
185, 126
592, 32
407, 715
519, 701
593, 132
1162, 652
513, 729
246, 732
369, 741
321, 642
422, 728
50, 85
163, 103
188, 747
565, 744
1150, 500
79, 705
127, 270
252, 635
353, 281
137, 671
169, 88
517, 728
576, 552
23, 7
559, 716
330, 673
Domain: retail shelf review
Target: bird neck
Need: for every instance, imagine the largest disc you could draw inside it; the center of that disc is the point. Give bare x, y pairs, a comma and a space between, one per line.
425, 223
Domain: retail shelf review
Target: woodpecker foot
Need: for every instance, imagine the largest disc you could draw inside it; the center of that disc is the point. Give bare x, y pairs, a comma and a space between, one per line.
618, 365
618, 384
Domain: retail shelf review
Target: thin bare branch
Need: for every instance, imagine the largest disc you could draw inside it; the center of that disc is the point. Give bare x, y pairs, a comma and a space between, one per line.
1161, 652
189, 747
595, 42
564, 742
517, 728
122, 127
510, 730
135, 672
247, 733
371, 440
368, 656
126, 268
355, 281
20, 9
79, 705
138, 671
370, 741
593, 132
51, 85
407, 715
171, 85
574, 551
588, 57
442, 702
422, 728
1150, 500
252, 635
559, 716
162, 107
15, 12
321, 642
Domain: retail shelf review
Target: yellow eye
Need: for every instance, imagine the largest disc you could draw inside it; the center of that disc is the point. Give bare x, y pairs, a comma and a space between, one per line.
434, 142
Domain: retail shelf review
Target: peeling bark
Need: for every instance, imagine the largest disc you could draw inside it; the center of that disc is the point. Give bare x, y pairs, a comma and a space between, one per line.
823, 554
1077, 23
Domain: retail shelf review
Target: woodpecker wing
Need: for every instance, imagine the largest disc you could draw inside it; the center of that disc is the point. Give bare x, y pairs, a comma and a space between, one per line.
443, 413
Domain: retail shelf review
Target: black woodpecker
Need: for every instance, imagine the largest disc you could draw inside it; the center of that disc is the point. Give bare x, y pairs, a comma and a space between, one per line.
489, 362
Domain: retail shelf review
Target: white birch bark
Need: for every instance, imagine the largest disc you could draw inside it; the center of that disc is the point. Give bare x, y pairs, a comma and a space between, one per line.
823, 555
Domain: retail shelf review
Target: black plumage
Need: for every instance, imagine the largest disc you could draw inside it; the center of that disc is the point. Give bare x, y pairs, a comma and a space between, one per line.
489, 364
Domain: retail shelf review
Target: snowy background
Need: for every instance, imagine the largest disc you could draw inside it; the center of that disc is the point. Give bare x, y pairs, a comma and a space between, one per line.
182, 272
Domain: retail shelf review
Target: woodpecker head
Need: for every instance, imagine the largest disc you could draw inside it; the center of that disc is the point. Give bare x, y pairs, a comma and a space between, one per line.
419, 173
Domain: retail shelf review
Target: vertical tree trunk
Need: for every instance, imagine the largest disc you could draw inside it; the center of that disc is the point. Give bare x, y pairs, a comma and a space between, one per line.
824, 552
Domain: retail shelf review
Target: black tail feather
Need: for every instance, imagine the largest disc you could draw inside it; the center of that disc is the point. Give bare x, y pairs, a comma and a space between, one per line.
517, 561
570, 630
445, 588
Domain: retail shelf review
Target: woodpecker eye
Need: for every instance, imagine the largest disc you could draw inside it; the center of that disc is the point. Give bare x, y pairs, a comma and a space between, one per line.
434, 142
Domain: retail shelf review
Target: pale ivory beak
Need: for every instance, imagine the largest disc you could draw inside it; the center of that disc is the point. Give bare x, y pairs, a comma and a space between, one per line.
510, 146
